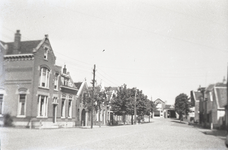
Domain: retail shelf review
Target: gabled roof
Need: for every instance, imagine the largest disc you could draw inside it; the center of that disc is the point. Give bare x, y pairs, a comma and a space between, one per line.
26, 47
159, 100
221, 96
210, 88
78, 84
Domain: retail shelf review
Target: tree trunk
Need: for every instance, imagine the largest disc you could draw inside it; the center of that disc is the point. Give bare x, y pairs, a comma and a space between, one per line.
132, 119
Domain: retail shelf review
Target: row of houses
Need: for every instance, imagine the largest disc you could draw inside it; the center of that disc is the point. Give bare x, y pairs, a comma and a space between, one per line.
209, 105
38, 93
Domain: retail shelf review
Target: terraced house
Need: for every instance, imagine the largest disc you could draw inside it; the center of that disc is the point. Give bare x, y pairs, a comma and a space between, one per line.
36, 91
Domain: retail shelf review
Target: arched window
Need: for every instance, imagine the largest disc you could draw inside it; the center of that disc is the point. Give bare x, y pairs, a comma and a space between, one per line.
44, 77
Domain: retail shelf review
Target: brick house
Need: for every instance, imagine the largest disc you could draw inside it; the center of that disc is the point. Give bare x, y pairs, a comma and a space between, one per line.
2, 77
33, 90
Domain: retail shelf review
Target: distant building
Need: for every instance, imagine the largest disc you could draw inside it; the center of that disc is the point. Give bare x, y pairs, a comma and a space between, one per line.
169, 111
160, 105
195, 102
217, 99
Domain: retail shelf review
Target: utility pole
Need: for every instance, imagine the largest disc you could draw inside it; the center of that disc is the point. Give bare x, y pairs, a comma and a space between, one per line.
93, 83
135, 106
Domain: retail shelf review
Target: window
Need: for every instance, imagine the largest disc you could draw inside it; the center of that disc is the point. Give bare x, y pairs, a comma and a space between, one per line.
70, 108
56, 81
46, 53
42, 106
21, 105
44, 77
1, 104
55, 100
66, 82
63, 108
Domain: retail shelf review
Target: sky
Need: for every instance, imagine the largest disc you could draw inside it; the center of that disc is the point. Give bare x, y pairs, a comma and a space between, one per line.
162, 47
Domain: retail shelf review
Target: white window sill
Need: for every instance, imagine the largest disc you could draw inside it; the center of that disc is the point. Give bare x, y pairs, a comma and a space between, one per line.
21, 116
1, 115
56, 90
63, 117
46, 88
41, 117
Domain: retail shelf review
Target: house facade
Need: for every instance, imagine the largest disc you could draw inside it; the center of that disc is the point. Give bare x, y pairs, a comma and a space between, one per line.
33, 89
2, 78
195, 105
83, 113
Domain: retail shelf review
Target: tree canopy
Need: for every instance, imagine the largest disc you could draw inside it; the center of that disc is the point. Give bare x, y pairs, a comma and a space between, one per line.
124, 102
182, 105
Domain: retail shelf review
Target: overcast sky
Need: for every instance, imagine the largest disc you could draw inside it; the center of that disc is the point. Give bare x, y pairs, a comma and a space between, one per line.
163, 47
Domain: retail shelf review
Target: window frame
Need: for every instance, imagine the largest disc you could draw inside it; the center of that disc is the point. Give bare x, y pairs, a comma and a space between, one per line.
45, 77
1, 104
63, 107
46, 49
19, 107
56, 81
42, 109
70, 102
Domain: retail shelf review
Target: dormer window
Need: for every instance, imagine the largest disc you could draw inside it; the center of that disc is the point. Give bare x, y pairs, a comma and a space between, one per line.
46, 52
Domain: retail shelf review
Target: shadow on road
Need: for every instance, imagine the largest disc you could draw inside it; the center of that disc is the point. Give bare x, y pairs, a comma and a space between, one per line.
178, 121
219, 133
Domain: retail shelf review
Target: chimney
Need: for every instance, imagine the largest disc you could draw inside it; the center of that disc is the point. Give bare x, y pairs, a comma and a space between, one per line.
17, 41
46, 36
64, 69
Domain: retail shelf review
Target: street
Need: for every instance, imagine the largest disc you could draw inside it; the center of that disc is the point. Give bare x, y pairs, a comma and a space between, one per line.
159, 134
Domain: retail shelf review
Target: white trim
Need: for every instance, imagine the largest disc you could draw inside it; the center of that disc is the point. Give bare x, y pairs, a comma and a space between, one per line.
17, 55
19, 106
40, 44
44, 107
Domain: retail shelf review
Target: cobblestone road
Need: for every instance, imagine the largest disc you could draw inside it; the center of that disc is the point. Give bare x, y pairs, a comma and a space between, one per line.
159, 134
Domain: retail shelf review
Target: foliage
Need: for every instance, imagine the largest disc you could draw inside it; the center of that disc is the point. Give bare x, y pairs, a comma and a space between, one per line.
182, 105
8, 120
124, 102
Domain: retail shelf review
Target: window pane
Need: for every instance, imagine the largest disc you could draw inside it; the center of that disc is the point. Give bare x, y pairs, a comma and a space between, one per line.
22, 109
1, 97
1, 107
22, 98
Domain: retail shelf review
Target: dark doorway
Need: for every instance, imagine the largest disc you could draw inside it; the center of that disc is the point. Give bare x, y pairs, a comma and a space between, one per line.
83, 117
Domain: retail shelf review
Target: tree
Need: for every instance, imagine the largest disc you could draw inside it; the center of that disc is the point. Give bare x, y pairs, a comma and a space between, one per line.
124, 102
182, 105
99, 100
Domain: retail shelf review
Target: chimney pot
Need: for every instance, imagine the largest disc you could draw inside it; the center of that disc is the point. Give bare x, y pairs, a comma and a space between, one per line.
64, 69
46, 35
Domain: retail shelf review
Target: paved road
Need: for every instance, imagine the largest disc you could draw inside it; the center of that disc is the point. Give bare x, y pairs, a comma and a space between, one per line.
160, 134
